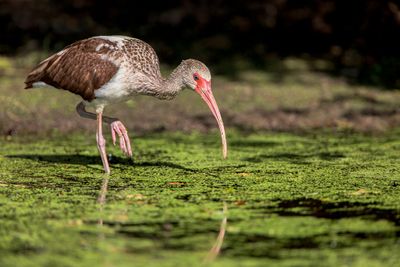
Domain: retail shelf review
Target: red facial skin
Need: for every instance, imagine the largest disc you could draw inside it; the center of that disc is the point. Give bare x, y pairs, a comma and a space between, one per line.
203, 88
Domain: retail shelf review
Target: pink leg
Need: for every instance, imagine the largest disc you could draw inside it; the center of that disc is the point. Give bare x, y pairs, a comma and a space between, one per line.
101, 143
117, 128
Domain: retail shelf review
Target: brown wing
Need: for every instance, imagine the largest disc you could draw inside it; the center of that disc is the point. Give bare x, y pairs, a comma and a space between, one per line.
79, 68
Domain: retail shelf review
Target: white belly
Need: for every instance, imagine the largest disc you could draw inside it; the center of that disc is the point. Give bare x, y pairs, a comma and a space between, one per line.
123, 85
116, 89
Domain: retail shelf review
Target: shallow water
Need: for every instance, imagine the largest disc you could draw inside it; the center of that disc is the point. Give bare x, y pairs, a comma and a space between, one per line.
305, 200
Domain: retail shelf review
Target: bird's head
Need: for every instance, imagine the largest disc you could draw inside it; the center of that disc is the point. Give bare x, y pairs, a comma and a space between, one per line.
198, 77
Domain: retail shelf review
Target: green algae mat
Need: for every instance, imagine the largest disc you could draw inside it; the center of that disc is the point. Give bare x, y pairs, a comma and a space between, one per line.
322, 199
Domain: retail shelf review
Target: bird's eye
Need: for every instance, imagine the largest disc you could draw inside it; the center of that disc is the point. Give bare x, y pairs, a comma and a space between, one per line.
195, 77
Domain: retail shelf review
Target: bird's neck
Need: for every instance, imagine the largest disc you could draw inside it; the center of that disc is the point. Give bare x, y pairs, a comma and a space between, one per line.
173, 84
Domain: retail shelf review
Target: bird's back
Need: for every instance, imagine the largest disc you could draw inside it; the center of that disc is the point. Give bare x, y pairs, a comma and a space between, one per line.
89, 64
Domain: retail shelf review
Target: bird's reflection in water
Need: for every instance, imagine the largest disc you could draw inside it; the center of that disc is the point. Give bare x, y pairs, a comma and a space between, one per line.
212, 253
102, 198
215, 250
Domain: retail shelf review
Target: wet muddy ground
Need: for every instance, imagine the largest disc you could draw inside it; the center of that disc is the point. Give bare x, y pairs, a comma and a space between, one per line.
291, 199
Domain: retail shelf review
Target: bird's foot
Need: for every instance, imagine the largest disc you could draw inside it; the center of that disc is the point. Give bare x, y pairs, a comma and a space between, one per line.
117, 128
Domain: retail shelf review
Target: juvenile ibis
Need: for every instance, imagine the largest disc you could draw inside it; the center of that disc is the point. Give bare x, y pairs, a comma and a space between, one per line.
105, 70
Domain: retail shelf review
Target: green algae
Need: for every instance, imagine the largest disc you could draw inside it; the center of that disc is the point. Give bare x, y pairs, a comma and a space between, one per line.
318, 199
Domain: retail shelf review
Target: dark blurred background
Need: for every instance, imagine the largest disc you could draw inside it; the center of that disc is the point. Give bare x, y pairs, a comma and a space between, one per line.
358, 37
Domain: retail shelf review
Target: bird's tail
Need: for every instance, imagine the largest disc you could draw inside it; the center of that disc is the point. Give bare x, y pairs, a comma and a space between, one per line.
37, 76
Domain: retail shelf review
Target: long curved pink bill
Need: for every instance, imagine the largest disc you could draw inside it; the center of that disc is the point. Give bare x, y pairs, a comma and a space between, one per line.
205, 92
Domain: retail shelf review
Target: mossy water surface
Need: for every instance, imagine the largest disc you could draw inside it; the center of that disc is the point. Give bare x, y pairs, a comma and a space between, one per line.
292, 200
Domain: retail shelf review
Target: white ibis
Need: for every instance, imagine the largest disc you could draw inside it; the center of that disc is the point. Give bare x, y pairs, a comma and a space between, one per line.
111, 69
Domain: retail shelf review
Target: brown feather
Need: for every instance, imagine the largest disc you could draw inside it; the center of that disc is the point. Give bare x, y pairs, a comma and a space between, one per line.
79, 68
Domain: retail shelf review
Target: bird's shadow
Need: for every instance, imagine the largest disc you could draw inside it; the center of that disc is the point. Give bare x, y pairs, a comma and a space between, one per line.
90, 160
297, 158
